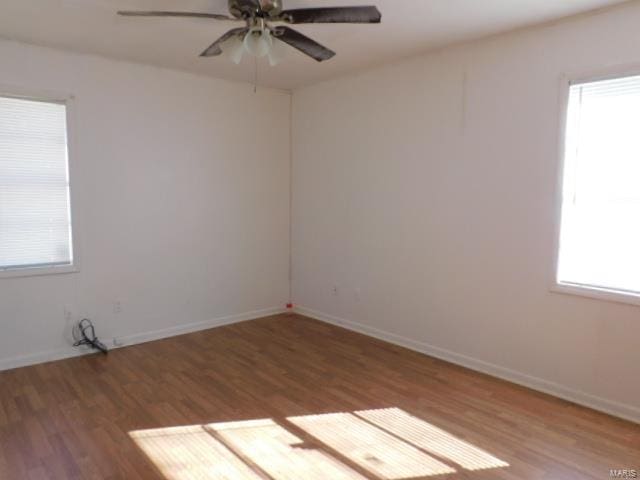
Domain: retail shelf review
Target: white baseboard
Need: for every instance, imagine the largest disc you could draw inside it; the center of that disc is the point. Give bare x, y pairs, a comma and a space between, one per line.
124, 341
627, 412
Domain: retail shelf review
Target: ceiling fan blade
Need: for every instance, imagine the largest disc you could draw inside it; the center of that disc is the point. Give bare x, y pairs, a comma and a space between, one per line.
215, 48
304, 44
215, 16
333, 15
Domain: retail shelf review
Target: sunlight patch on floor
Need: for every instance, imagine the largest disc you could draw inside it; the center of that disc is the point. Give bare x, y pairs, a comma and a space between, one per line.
190, 453
389, 444
369, 447
279, 453
432, 439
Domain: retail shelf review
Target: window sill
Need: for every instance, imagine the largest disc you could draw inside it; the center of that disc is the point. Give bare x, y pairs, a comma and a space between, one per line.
37, 271
597, 293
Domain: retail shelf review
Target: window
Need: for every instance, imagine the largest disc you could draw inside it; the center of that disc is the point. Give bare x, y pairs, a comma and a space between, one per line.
600, 228
35, 216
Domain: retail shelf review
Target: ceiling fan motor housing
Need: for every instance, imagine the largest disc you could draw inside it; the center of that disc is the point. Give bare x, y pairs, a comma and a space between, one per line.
255, 8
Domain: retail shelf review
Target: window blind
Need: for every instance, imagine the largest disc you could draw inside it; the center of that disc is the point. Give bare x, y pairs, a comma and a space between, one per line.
35, 219
600, 234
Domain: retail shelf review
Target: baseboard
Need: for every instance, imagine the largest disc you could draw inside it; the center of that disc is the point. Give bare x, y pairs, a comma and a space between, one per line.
124, 341
624, 411
196, 327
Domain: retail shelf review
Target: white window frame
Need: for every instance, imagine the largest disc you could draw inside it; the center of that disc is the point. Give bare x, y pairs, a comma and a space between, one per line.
589, 291
70, 103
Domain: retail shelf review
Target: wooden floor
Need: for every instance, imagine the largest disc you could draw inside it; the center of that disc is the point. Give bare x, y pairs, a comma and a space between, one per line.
291, 398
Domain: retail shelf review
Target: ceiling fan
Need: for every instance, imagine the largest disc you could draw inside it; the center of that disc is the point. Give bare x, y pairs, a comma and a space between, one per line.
260, 37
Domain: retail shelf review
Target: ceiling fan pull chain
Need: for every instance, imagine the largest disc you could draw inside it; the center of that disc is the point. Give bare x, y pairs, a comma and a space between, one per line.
255, 78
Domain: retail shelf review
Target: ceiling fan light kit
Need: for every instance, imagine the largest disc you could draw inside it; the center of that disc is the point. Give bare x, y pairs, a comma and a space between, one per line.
258, 41
260, 37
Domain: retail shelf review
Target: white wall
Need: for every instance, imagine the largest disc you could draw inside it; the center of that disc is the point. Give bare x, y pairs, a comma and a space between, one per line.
181, 189
425, 192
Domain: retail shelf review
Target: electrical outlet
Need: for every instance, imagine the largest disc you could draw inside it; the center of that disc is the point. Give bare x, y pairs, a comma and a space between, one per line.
117, 342
117, 307
357, 294
335, 291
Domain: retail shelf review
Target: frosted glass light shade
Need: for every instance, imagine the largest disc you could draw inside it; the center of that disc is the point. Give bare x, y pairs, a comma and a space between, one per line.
234, 49
278, 52
258, 42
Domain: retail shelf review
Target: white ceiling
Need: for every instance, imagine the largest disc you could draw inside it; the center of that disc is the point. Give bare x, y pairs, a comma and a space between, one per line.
408, 27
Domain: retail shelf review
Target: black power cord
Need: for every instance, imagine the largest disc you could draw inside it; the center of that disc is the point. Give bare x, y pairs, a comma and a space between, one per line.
88, 332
